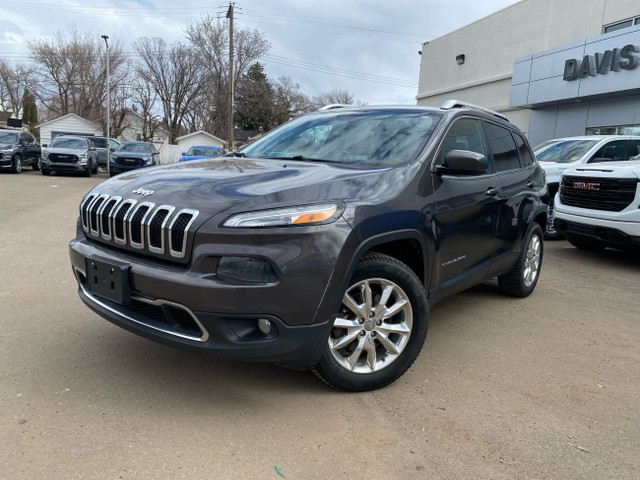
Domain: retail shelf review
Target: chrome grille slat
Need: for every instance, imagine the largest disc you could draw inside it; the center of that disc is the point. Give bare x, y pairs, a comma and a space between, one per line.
139, 225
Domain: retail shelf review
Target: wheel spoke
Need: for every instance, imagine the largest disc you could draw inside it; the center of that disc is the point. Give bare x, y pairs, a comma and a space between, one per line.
370, 347
386, 343
389, 328
346, 323
384, 298
395, 308
368, 299
338, 343
352, 359
351, 304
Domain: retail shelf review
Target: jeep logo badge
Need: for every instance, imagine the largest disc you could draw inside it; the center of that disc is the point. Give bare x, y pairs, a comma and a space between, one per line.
142, 191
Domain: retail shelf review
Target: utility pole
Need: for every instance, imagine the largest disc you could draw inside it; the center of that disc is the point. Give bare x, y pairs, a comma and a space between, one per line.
230, 17
106, 42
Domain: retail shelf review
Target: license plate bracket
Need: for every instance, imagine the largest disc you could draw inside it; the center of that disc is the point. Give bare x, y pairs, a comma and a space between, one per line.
109, 280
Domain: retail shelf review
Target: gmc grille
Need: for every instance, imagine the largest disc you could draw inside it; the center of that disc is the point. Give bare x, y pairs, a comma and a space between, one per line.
139, 225
60, 158
611, 195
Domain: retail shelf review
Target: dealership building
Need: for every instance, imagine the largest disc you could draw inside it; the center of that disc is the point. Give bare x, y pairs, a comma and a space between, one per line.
555, 68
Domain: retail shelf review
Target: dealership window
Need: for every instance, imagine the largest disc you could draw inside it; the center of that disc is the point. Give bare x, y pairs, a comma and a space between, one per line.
619, 25
619, 130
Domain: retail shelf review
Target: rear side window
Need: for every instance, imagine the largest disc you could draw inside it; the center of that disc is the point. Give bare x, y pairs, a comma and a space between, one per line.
505, 153
525, 153
464, 134
634, 149
611, 152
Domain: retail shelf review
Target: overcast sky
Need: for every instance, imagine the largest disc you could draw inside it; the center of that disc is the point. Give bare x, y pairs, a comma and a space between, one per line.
368, 47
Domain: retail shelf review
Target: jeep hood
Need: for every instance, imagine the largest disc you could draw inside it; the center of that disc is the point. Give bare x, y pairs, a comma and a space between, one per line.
65, 151
212, 186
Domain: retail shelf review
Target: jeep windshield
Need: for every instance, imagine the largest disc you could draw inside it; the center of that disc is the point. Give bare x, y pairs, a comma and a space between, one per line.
72, 143
369, 137
562, 151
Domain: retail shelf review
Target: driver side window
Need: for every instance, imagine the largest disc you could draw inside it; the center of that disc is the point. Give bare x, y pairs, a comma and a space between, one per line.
464, 134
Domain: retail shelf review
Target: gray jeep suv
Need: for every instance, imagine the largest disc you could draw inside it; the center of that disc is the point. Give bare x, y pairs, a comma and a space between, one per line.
322, 244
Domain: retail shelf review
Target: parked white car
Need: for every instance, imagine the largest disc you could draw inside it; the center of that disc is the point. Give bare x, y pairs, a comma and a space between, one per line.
560, 154
598, 205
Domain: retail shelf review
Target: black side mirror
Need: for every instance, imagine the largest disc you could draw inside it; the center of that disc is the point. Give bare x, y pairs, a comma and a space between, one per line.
112, 150
463, 162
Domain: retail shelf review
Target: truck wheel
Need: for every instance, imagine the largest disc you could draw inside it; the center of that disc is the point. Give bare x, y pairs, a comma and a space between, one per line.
523, 277
87, 172
586, 244
44, 171
16, 164
94, 170
379, 329
36, 165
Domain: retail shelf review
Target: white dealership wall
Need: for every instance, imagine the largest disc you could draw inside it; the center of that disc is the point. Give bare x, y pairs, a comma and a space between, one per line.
492, 44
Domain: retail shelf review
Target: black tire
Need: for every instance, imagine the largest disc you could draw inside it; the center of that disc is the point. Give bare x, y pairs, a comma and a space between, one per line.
36, 165
586, 244
400, 326
44, 171
87, 172
16, 164
94, 170
522, 279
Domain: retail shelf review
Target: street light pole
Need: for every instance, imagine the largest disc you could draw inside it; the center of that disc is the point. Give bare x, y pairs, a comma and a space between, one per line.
106, 42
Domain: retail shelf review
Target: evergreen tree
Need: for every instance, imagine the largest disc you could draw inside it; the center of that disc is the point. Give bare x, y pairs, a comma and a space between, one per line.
30, 112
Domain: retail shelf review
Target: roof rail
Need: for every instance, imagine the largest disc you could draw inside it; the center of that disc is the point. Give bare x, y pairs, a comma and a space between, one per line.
333, 106
450, 104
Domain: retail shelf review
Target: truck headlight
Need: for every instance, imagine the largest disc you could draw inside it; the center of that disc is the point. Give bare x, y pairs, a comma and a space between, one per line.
281, 217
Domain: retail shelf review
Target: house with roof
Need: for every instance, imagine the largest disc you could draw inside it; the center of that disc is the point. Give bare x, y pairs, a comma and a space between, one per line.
199, 138
69, 124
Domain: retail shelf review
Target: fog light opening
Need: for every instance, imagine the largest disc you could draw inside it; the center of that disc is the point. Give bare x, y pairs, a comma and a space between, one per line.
264, 325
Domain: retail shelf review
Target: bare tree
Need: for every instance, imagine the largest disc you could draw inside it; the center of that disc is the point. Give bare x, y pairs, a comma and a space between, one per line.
335, 96
175, 74
289, 101
144, 99
71, 72
13, 83
210, 36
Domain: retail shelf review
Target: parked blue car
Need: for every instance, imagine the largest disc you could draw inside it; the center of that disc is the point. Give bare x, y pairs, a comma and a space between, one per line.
198, 152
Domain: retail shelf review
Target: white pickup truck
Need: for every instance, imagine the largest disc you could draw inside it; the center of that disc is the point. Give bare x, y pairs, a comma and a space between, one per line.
598, 205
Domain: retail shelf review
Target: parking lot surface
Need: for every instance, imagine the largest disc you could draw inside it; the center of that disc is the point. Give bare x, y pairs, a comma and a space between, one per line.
505, 388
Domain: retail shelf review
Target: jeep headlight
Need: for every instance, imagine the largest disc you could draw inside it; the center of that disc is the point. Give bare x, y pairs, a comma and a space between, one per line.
147, 160
7, 151
282, 217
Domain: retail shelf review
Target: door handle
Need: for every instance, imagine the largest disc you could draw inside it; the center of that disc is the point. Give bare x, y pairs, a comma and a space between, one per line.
492, 192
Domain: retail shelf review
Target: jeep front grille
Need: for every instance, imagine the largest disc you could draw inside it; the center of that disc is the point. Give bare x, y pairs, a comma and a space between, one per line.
139, 225
608, 194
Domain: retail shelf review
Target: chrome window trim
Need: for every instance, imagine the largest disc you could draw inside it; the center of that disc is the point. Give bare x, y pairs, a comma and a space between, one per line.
109, 218
128, 201
175, 253
163, 228
132, 214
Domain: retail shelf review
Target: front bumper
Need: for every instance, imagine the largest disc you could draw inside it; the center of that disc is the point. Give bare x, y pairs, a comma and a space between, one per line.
187, 306
614, 234
64, 167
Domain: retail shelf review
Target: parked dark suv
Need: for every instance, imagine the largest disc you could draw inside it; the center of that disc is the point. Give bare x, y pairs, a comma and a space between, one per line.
18, 148
322, 244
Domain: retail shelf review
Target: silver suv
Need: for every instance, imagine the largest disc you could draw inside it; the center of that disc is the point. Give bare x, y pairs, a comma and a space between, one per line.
70, 154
